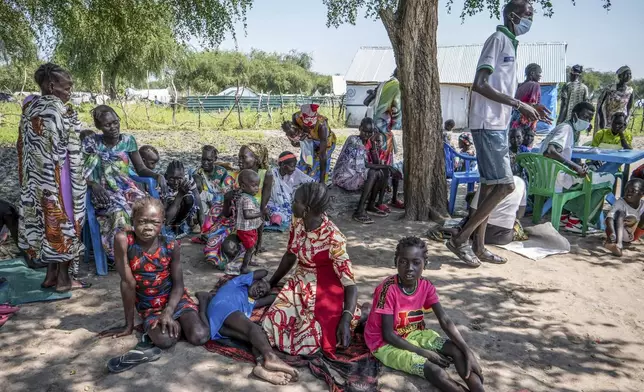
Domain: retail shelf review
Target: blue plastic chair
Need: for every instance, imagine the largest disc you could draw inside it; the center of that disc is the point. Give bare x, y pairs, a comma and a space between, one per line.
92, 233
470, 176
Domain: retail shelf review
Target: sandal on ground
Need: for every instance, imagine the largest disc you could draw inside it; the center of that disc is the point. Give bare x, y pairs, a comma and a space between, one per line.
398, 204
490, 257
364, 219
377, 212
8, 309
198, 240
383, 208
436, 235
464, 253
133, 358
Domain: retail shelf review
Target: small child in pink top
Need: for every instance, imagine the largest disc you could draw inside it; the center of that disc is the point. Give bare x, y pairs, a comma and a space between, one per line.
395, 331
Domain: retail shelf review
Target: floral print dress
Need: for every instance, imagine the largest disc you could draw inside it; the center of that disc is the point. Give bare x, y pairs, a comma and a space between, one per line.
154, 281
110, 168
305, 316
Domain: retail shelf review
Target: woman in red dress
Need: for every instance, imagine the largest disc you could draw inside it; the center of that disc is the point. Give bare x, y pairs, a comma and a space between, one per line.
316, 308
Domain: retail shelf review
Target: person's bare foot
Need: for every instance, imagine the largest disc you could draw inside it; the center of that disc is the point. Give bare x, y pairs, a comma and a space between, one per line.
613, 248
277, 378
274, 363
51, 278
203, 297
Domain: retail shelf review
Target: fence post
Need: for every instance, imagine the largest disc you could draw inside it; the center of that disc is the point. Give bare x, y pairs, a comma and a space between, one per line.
268, 107
199, 114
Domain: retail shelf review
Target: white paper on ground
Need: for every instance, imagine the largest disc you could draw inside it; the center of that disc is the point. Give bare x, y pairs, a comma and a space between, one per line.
543, 241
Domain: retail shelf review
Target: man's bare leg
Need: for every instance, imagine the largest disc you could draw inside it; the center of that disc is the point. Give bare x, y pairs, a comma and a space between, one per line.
478, 246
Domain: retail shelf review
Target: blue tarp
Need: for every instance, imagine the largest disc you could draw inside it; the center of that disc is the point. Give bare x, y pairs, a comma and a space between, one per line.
548, 99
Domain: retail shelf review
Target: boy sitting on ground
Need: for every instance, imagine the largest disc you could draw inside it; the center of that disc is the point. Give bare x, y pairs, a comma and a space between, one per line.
625, 221
249, 215
395, 332
228, 314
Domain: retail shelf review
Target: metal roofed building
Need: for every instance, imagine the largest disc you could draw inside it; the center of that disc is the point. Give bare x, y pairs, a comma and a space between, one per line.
456, 67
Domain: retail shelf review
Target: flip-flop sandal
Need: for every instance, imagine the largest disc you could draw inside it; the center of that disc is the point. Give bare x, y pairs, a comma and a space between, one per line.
133, 358
4, 318
384, 208
379, 213
398, 204
83, 285
198, 240
8, 309
365, 220
464, 253
491, 258
435, 235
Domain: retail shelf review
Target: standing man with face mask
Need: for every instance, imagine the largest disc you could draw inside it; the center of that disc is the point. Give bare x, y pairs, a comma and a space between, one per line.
572, 93
491, 107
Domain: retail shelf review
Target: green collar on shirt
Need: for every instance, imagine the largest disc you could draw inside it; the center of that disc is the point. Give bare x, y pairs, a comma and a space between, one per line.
509, 34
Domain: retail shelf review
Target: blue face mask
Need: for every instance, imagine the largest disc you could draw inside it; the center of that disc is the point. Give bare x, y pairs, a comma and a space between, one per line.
523, 26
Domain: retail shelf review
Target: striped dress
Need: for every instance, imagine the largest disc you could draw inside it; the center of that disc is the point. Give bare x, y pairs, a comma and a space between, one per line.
52, 187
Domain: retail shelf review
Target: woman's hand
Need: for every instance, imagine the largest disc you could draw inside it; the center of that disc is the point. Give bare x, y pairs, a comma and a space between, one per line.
168, 325
343, 333
163, 185
117, 332
100, 195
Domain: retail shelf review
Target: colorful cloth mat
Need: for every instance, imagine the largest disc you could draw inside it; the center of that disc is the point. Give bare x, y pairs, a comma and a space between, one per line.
354, 370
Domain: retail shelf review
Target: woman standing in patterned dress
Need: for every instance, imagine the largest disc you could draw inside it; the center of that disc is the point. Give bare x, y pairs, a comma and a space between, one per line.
316, 309
52, 187
616, 98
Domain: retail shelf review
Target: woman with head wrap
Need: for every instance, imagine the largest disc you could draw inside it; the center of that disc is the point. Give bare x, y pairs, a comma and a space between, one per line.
252, 156
310, 131
616, 98
286, 179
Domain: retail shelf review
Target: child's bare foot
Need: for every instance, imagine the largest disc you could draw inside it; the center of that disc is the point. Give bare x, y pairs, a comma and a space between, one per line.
274, 363
613, 248
203, 297
277, 378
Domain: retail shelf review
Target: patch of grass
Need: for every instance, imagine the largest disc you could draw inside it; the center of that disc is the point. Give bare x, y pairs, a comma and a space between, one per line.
145, 117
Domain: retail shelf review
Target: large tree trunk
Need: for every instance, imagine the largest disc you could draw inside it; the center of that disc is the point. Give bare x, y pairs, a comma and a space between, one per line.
412, 31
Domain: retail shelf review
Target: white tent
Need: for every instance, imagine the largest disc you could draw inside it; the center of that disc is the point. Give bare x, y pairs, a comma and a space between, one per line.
456, 67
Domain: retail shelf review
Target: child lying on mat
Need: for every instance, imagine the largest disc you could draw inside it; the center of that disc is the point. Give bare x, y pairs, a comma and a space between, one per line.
395, 332
228, 313
625, 221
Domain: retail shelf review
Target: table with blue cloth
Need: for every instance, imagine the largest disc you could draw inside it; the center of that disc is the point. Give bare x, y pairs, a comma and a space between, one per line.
622, 157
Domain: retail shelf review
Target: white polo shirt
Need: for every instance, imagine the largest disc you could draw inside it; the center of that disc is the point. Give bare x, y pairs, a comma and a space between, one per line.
499, 56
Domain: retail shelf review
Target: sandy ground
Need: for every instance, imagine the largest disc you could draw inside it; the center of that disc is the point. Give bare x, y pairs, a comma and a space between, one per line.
566, 323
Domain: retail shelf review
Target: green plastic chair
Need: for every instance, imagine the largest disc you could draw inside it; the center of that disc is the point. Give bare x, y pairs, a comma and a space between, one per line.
542, 175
